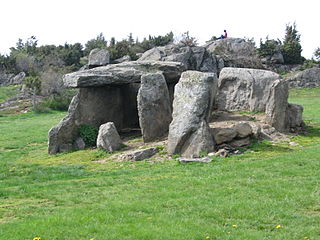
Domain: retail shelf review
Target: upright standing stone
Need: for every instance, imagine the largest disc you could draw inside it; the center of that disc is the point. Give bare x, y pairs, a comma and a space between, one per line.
154, 107
276, 108
189, 132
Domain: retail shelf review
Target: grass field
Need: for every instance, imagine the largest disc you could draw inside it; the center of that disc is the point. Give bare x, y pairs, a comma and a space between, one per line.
270, 192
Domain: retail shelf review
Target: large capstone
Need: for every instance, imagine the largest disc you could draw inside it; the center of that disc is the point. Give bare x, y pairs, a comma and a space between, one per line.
154, 107
189, 132
122, 73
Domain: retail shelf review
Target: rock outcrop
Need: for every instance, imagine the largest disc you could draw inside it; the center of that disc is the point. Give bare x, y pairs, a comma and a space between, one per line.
98, 57
108, 137
192, 58
309, 78
11, 79
235, 52
154, 107
189, 132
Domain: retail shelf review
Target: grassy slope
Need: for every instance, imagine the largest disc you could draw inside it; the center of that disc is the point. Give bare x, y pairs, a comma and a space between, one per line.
7, 92
68, 196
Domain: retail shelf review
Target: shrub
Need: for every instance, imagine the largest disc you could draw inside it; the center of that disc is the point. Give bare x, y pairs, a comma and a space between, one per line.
89, 134
317, 54
269, 47
59, 102
307, 64
40, 108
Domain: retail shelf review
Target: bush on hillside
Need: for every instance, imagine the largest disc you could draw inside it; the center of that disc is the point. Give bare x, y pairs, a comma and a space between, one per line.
269, 47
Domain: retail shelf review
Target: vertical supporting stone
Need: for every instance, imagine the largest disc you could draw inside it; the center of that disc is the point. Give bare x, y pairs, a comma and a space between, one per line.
154, 106
189, 132
276, 108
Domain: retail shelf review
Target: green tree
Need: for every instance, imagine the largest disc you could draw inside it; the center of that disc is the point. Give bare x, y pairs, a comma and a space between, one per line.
317, 54
291, 48
269, 47
98, 42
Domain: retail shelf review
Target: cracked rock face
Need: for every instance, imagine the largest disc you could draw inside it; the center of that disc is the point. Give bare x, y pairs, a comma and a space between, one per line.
189, 132
122, 73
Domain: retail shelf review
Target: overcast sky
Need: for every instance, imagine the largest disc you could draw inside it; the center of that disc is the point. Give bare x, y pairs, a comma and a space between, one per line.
71, 21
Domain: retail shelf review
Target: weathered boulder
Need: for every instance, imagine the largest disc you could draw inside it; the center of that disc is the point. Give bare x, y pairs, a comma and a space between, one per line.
192, 58
243, 129
309, 78
223, 135
108, 137
125, 58
235, 52
257, 90
154, 107
139, 155
240, 142
244, 89
98, 57
294, 115
189, 132
122, 73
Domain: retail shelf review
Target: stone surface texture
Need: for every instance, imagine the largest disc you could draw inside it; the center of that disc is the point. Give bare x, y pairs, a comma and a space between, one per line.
139, 155
98, 57
108, 137
235, 52
192, 58
309, 78
154, 107
122, 73
189, 132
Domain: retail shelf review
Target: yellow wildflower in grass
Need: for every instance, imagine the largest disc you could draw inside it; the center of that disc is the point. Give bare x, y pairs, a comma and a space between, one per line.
278, 226
235, 225
207, 237
37, 238
92, 239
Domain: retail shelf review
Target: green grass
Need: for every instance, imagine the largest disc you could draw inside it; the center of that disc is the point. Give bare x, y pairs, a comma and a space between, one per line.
72, 197
8, 92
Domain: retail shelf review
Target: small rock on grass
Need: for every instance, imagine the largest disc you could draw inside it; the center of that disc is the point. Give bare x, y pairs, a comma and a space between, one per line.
139, 155
186, 160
